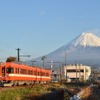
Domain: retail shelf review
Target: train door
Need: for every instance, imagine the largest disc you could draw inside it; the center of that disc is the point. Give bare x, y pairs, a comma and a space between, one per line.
3, 72
0, 72
41, 75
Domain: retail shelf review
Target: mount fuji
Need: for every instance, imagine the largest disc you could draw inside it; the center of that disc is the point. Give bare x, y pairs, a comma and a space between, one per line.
84, 49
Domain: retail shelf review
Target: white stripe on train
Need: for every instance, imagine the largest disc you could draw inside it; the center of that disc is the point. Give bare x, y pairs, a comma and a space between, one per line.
33, 76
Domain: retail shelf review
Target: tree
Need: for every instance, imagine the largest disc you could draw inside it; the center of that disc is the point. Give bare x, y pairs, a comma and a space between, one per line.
10, 59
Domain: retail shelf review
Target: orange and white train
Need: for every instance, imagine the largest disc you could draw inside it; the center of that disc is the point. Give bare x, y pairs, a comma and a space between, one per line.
18, 74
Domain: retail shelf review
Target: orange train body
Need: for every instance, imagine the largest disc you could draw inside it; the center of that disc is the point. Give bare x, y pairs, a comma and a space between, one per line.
12, 72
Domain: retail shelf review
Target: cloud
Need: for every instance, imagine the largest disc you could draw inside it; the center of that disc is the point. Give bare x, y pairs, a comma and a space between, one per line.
42, 13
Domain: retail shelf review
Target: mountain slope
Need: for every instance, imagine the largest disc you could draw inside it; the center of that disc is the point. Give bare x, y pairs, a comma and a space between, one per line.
84, 49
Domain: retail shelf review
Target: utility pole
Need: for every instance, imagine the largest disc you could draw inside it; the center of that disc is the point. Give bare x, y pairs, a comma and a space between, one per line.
66, 66
65, 58
53, 71
76, 72
80, 72
43, 59
18, 54
85, 73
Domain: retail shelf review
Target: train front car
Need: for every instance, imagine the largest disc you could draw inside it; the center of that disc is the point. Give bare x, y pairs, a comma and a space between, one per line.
2, 73
17, 74
5, 70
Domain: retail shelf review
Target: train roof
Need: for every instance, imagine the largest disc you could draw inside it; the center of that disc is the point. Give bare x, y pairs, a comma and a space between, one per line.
22, 65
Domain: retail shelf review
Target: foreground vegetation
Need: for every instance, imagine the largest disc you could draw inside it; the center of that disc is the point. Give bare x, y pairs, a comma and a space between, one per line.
23, 93
44, 92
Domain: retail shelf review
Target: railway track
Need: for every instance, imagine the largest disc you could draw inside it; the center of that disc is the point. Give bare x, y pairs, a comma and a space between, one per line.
15, 87
21, 86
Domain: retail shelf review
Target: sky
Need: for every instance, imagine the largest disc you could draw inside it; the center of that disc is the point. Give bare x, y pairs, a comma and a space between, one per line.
39, 27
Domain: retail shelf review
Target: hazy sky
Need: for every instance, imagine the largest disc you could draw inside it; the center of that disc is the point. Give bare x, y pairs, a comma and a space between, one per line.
39, 27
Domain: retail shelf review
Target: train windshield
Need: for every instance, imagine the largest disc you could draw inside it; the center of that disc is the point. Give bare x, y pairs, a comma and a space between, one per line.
9, 70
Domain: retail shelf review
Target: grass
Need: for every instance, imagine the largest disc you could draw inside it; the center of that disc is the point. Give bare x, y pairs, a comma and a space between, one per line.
20, 93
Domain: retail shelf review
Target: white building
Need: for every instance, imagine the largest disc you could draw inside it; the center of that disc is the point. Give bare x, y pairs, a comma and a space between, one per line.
77, 72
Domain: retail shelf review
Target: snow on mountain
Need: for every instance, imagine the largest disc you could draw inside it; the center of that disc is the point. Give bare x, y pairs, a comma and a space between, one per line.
84, 49
87, 39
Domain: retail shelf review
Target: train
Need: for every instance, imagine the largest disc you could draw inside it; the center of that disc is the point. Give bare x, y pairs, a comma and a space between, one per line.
12, 74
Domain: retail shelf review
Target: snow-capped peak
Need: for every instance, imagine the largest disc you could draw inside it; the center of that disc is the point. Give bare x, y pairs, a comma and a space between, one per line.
87, 39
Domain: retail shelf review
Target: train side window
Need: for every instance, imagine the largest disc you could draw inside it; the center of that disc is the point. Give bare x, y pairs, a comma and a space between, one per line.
9, 70
28, 71
46, 74
15, 70
38, 73
34, 72
18, 70
31, 72
12, 70
22, 71
42, 73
